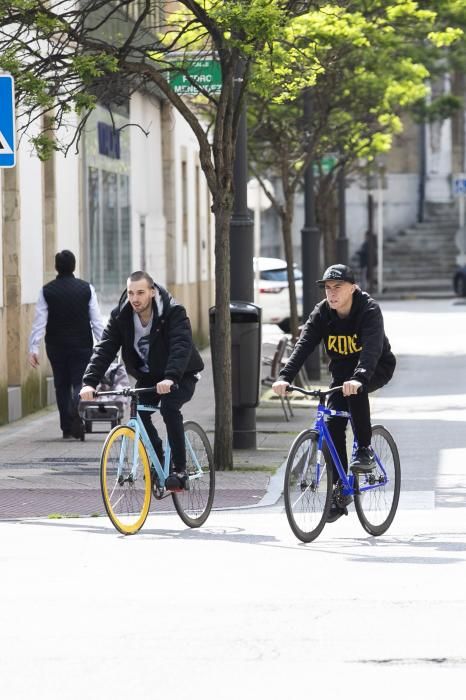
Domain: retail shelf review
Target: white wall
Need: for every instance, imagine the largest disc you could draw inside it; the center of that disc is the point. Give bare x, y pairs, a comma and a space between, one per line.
400, 201
147, 186
400, 204
31, 252
1, 244
186, 146
68, 210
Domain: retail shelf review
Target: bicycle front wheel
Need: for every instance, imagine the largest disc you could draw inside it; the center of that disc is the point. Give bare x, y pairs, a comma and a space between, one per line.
194, 505
379, 491
125, 480
308, 487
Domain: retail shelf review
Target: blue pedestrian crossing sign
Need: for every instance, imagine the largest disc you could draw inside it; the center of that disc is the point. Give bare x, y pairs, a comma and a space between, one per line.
459, 184
7, 122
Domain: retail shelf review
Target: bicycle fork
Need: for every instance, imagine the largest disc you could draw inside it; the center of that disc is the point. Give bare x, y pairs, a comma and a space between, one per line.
198, 469
132, 476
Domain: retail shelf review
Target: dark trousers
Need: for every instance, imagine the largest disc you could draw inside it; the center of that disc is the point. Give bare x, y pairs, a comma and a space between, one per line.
170, 405
358, 406
68, 366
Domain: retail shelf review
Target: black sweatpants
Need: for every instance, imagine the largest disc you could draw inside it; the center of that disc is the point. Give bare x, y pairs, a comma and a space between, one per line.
358, 406
170, 405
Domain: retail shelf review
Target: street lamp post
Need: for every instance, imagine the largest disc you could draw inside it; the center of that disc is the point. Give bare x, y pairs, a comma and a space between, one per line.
342, 240
310, 247
241, 264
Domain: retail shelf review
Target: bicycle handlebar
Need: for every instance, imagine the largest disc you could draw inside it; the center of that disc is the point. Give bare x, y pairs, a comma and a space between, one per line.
316, 393
127, 391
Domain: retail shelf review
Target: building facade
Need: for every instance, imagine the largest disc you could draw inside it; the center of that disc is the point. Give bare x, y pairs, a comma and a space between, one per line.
134, 197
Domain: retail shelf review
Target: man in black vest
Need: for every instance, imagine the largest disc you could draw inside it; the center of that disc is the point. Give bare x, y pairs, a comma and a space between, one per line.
68, 313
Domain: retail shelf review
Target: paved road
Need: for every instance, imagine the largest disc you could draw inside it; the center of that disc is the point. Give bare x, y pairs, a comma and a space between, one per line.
237, 609
425, 404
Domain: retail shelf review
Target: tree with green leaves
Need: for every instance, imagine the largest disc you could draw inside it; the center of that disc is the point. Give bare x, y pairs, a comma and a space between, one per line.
365, 64
68, 56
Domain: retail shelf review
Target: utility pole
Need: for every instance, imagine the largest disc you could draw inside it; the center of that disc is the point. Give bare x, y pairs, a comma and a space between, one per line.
370, 243
310, 246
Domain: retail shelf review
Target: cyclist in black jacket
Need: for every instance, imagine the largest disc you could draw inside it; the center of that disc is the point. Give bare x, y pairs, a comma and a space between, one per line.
154, 334
350, 323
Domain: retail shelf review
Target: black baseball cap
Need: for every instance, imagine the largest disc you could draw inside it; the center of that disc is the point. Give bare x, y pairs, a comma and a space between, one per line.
337, 273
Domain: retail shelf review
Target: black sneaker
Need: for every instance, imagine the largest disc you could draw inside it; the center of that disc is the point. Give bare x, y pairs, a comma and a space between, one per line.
177, 481
338, 507
363, 461
77, 428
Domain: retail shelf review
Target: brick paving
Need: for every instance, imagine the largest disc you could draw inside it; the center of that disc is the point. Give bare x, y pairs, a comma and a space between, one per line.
42, 502
42, 475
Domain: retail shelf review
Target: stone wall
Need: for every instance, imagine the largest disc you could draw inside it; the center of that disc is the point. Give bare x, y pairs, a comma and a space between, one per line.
3, 370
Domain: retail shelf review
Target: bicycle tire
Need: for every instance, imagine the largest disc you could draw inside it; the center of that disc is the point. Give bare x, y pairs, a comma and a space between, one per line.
127, 500
194, 505
376, 507
307, 494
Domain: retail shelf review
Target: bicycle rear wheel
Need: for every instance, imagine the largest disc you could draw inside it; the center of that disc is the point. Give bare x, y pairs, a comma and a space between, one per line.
308, 487
124, 482
377, 506
194, 505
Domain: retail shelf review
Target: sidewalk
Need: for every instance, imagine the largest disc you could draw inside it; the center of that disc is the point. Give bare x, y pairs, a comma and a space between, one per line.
43, 475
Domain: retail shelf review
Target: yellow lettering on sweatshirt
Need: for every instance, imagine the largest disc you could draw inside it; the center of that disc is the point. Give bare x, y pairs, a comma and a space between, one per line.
342, 341
353, 343
343, 344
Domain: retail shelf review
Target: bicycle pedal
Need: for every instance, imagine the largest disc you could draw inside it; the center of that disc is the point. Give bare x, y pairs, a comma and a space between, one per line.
177, 484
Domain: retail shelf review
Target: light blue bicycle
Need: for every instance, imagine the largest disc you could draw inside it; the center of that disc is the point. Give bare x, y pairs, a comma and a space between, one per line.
308, 488
130, 471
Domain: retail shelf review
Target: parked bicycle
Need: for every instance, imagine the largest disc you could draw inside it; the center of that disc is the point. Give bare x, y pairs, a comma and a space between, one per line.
130, 471
308, 486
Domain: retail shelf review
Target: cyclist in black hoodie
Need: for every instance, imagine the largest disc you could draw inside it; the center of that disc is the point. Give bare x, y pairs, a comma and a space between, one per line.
350, 323
154, 334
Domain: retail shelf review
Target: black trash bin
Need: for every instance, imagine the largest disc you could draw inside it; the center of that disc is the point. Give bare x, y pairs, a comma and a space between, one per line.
246, 344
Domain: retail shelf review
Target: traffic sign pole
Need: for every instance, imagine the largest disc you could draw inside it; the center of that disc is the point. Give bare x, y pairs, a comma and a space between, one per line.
459, 190
7, 122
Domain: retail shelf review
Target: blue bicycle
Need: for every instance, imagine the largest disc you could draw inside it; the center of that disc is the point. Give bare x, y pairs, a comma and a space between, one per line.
308, 489
130, 471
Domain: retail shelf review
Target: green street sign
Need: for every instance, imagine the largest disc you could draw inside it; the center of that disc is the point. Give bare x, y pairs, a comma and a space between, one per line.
327, 163
207, 73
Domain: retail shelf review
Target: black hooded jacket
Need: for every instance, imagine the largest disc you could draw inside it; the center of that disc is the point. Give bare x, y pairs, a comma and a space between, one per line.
172, 353
356, 345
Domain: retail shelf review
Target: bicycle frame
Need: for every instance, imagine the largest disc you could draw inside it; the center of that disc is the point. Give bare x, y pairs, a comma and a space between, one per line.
348, 481
140, 431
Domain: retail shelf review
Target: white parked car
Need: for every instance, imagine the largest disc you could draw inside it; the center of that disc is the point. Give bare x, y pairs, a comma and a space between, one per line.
273, 295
